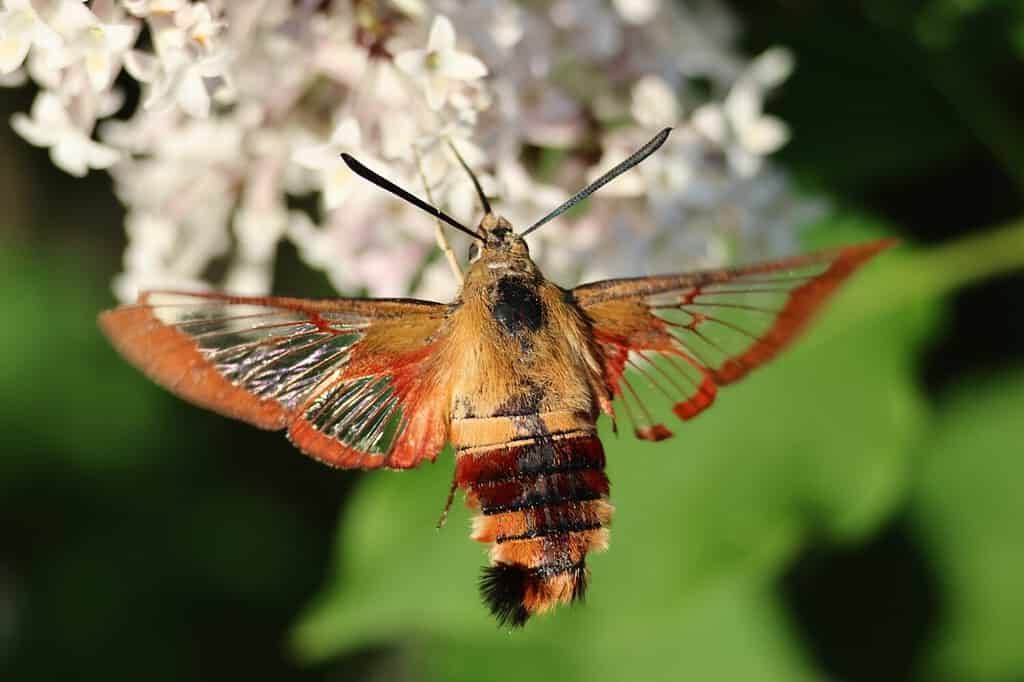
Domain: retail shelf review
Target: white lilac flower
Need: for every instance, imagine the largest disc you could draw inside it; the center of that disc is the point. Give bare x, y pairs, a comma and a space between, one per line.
239, 97
71, 149
99, 39
179, 77
188, 66
440, 63
21, 27
739, 124
655, 103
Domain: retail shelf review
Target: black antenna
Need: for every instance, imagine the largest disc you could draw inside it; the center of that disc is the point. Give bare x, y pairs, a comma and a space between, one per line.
476, 183
367, 174
635, 158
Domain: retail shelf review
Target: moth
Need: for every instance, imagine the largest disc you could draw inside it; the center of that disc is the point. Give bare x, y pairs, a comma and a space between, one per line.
513, 373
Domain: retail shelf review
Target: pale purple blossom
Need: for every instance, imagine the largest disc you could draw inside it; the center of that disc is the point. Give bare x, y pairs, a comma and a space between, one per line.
21, 28
71, 149
441, 65
247, 105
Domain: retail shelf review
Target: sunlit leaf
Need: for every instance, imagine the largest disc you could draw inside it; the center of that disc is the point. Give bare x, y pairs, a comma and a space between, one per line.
968, 506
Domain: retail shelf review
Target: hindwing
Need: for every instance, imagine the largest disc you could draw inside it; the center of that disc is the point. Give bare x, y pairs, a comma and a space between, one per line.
691, 333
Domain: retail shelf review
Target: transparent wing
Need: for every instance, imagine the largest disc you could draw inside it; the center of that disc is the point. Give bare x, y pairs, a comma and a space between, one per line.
347, 377
689, 334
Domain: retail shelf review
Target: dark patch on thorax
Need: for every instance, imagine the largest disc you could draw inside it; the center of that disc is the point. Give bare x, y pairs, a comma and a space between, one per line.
517, 307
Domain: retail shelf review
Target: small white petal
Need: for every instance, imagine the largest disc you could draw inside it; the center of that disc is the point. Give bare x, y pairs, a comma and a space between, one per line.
157, 97
45, 37
70, 154
413, 8
258, 230
99, 68
316, 157
32, 132
772, 66
142, 66
398, 132
507, 28
764, 136
214, 65
413, 62
743, 162
654, 103
109, 103
743, 104
637, 11
71, 17
460, 65
13, 49
248, 279
442, 35
46, 72
100, 156
437, 91
192, 96
346, 135
309, 240
435, 164
338, 183
119, 37
710, 122
49, 110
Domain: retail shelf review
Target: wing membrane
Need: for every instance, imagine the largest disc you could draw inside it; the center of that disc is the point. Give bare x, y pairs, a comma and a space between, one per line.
344, 376
689, 334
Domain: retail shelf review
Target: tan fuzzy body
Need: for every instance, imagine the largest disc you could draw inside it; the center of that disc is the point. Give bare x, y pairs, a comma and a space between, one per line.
525, 393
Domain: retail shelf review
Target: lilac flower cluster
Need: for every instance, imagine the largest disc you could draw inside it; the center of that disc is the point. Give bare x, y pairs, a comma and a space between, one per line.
247, 104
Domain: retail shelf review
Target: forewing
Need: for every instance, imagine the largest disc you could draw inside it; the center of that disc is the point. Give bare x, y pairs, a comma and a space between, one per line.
691, 333
353, 380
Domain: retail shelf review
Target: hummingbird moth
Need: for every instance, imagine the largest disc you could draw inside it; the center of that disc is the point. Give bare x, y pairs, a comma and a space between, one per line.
513, 373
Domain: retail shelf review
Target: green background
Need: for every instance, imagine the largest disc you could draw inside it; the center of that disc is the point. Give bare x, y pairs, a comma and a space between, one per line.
850, 512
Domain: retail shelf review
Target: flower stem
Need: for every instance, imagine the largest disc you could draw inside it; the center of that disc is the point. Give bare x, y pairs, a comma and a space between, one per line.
908, 275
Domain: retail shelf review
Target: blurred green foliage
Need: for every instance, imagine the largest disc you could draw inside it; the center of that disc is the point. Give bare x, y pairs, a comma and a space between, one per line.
967, 504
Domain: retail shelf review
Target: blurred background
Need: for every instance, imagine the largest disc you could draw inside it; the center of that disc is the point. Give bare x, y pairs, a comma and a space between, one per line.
851, 513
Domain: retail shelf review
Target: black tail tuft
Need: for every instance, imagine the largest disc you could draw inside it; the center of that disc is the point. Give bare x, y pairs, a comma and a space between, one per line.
503, 587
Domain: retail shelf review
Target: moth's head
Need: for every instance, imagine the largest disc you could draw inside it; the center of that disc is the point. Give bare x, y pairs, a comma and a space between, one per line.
497, 239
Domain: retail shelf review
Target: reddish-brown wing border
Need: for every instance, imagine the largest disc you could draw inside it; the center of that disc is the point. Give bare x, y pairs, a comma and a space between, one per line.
622, 313
394, 335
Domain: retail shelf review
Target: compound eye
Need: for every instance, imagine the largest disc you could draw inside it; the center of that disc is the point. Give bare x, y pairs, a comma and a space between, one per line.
474, 252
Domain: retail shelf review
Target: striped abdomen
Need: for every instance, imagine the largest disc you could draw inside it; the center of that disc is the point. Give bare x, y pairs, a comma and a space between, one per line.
543, 501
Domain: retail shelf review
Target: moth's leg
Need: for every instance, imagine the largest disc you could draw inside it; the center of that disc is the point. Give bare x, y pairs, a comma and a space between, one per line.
448, 503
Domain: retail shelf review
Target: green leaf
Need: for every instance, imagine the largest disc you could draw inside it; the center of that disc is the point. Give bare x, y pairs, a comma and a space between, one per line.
968, 506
